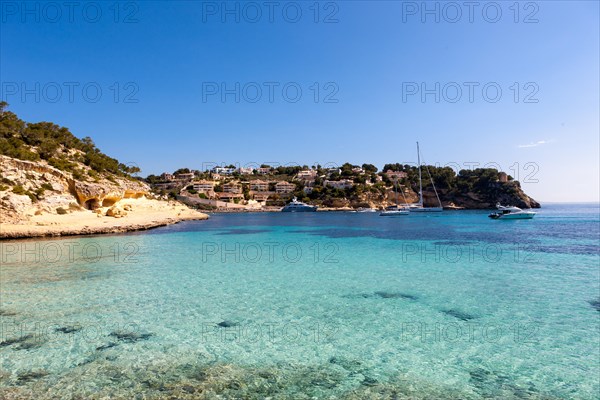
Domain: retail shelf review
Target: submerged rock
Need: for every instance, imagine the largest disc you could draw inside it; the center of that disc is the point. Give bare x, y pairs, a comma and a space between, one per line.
30, 376
493, 384
227, 324
369, 381
6, 313
188, 389
595, 304
68, 329
131, 337
21, 339
358, 296
107, 346
479, 375
396, 295
29, 344
23, 342
463, 316
349, 365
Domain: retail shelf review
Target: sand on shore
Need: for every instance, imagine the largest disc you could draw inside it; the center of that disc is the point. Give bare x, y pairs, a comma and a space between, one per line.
140, 214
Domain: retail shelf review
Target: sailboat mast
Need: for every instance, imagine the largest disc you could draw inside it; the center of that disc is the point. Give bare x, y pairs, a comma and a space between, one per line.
420, 181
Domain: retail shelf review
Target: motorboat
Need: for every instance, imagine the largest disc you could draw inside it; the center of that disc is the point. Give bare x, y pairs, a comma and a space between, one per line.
511, 212
298, 206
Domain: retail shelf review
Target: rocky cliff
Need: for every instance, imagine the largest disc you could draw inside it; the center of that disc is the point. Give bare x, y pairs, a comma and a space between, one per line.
29, 188
506, 193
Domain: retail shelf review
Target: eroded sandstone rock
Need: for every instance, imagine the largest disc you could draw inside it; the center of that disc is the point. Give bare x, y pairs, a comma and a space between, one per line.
57, 189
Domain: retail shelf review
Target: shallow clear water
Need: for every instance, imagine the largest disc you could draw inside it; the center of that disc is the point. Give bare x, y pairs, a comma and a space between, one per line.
324, 305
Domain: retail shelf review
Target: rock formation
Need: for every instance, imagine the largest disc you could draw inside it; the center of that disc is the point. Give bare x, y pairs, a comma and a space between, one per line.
29, 188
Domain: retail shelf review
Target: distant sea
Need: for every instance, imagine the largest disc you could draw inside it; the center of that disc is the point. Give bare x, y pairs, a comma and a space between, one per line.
448, 305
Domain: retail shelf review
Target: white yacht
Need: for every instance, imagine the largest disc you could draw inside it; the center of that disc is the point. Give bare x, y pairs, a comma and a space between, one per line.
298, 206
366, 210
511, 212
419, 206
394, 211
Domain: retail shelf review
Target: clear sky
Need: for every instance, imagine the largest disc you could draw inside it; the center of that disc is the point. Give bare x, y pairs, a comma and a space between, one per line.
369, 74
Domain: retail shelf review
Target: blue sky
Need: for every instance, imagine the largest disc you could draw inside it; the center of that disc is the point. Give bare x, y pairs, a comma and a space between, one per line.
168, 62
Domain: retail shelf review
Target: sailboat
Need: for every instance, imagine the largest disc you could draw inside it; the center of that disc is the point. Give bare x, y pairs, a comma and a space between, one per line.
395, 211
419, 206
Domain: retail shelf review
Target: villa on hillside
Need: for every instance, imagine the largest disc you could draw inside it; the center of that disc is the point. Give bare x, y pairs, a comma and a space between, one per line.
205, 187
342, 184
284, 187
188, 176
223, 170
228, 196
245, 170
261, 197
395, 175
263, 170
259, 186
307, 175
165, 176
331, 171
232, 188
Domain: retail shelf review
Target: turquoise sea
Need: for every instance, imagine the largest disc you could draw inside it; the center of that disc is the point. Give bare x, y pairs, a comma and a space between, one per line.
309, 306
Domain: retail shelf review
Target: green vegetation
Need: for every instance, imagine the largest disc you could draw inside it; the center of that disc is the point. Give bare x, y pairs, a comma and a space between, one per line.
18, 189
61, 211
55, 144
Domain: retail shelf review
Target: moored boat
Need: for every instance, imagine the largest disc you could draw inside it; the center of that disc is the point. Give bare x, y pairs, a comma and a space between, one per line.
511, 212
394, 211
419, 207
298, 206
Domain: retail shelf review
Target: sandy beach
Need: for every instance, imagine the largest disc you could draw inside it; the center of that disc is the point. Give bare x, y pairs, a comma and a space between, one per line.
137, 214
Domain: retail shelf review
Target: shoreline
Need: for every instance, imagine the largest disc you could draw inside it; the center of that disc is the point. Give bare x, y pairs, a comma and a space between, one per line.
142, 214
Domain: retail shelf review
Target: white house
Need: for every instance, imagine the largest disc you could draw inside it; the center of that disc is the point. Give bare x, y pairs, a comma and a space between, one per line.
307, 174
395, 175
223, 170
203, 186
259, 186
166, 176
342, 184
185, 176
264, 170
232, 188
245, 170
284, 187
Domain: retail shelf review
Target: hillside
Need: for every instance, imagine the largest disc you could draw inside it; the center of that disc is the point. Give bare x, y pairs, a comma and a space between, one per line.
51, 179
349, 186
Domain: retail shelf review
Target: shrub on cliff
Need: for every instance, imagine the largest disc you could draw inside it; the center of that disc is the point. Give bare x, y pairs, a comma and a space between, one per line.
53, 143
